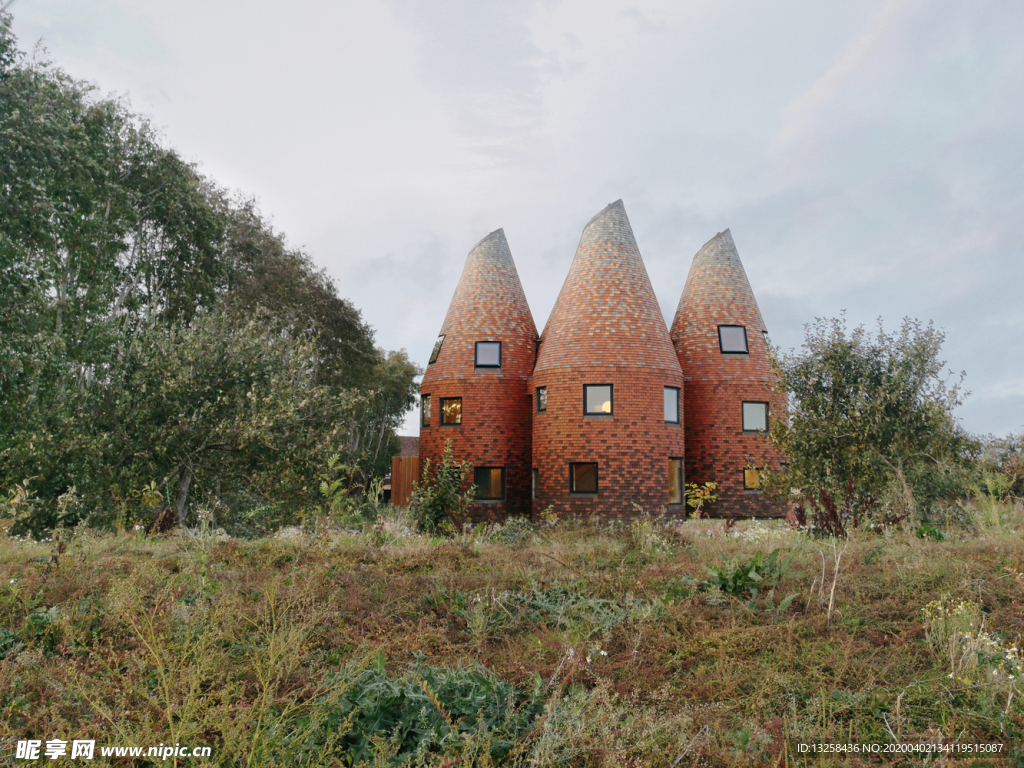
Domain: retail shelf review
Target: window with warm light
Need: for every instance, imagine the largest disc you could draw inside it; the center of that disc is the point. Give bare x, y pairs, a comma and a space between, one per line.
488, 354
490, 483
732, 339
451, 411
597, 399
675, 481
751, 481
583, 477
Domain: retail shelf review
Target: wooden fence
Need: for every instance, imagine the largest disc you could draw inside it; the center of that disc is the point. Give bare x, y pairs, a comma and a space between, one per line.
404, 470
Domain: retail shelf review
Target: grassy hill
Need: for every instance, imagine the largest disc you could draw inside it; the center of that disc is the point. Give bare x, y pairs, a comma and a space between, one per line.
568, 644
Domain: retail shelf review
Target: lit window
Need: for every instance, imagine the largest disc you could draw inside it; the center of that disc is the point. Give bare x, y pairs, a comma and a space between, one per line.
489, 482
488, 354
755, 417
672, 405
425, 410
675, 481
583, 478
732, 339
597, 399
437, 349
451, 410
751, 481
542, 398
535, 477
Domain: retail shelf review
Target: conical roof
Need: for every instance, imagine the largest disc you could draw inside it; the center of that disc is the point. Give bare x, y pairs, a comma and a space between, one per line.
606, 312
489, 304
717, 291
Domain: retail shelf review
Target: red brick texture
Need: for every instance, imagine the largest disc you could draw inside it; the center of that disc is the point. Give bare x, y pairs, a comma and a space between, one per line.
717, 293
606, 328
489, 305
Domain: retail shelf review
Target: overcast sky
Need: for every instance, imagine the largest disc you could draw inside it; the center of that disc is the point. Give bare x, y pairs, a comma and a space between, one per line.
868, 155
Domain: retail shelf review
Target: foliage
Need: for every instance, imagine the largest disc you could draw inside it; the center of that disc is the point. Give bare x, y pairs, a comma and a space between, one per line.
425, 710
119, 259
699, 495
874, 408
442, 500
758, 575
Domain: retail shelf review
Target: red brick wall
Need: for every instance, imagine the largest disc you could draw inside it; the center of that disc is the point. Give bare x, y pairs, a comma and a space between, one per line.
717, 293
489, 305
631, 447
606, 328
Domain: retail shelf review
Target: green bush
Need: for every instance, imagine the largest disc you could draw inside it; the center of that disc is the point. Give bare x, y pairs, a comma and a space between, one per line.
758, 575
425, 710
439, 501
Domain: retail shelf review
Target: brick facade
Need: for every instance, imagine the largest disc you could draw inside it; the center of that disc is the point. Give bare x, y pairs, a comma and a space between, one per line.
718, 293
606, 328
489, 305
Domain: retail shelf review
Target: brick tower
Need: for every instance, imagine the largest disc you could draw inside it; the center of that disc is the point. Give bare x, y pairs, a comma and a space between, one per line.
475, 391
722, 344
607, 387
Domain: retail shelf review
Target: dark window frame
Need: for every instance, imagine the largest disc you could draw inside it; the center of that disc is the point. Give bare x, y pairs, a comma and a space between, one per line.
426, 416
746, 341
679, 410
503, 487
437, 349
756, 472
461, 413
535, 483
611, 399
572, 477
767, 423
537, 398
476, 355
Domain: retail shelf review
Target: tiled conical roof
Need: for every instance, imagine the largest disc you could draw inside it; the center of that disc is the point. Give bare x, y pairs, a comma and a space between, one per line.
489, 303
606, 312
718, 285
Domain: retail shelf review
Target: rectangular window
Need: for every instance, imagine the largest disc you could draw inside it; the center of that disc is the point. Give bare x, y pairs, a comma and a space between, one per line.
583, 478
425, 410
542, 399
732, 339
672, 405
751, 481
490, 483
597, 399
437, 349
451, 411
675, 481
755, 417
488, 354
535, 478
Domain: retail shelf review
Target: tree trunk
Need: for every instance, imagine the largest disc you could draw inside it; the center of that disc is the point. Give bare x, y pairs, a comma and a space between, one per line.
180, 503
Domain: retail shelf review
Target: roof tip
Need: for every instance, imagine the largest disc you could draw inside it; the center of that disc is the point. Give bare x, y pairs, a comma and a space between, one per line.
498, 234
616, 207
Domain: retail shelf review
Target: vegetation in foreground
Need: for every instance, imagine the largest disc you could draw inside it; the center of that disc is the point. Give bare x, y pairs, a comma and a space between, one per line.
655, 643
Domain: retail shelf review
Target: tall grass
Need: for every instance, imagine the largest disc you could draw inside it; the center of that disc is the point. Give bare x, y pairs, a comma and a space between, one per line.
565, 644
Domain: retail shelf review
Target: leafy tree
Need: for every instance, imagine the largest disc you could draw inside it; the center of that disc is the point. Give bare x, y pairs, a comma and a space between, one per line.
129, 283
874, 407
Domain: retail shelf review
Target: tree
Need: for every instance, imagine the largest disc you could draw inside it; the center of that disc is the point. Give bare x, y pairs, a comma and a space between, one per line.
876, 408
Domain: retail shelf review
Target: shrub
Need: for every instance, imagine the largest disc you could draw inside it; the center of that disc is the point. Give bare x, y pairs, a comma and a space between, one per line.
439, 500
425, 710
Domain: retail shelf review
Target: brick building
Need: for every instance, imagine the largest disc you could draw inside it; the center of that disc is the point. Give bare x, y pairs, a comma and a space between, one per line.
607, 408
